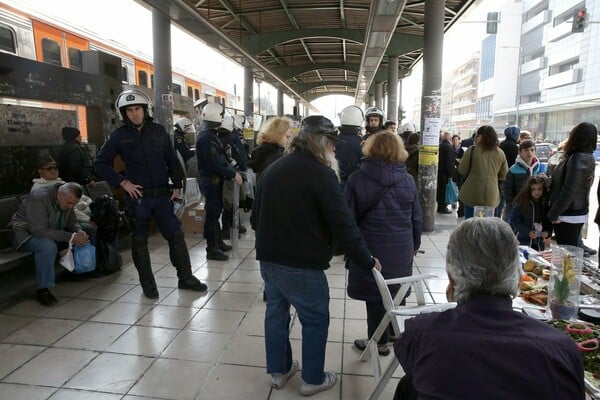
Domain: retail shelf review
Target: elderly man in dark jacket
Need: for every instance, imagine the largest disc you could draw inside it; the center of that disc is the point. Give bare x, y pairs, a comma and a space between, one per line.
44, 222
298, 211
445, 170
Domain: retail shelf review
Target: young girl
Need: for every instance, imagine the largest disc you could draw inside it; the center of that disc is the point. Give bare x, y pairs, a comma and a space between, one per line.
528, 214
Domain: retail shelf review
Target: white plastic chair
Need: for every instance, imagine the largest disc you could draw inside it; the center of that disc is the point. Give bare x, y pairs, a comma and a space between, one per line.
396, 314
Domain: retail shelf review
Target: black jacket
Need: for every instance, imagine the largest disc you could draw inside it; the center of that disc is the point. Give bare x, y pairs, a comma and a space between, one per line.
263, 155
570, 186
299, 212
510, 149
348, 152
74, 165
447, 160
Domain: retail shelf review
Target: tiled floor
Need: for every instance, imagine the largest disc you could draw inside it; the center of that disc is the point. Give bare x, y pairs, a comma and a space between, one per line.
106, 341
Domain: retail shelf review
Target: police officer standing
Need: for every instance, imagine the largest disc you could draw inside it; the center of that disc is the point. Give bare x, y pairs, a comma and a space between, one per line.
213, 168
374, 117
183, 126
347, 149
150, 160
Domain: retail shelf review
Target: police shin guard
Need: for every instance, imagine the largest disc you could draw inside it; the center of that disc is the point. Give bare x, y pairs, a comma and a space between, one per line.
220, 244
226, 219
180, 258
141, 259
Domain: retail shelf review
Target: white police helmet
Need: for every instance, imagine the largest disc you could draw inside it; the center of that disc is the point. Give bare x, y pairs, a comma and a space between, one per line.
133, 97
185, 125
239, 121
227, 123
351, 116
375, 111
213, 112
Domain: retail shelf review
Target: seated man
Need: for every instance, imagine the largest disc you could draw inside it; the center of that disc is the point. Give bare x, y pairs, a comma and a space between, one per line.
43, 224
502, 354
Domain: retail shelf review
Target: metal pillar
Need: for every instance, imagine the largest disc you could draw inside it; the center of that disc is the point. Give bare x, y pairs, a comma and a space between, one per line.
433, 46
248, 94
392, 110
163, 77
371, 100
400, 108
379, 94
279, 102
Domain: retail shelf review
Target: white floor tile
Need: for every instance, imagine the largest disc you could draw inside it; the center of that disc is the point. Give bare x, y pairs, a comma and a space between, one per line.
43, 331
92, 336
24, 392
168, 317
143, 340
13, 356
197, 346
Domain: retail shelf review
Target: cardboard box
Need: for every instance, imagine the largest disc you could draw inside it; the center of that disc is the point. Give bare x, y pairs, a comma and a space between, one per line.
192, 220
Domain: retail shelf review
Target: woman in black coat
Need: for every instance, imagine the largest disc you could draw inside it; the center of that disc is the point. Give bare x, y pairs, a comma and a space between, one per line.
272, 139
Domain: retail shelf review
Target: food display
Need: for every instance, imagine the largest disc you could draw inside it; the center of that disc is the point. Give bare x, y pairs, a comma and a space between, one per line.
533, 285
586, 336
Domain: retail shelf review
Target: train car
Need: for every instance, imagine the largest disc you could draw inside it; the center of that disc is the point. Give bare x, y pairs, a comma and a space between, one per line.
55, 75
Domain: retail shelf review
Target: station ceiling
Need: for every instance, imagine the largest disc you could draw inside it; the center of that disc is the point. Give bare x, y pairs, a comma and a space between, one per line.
313, 48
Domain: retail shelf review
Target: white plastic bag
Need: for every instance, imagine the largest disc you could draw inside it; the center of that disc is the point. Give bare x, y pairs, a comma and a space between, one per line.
250, 183
67, 259
192, 192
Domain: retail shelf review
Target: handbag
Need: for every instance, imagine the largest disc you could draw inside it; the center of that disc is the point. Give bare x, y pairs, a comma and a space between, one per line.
460, 179
451, 192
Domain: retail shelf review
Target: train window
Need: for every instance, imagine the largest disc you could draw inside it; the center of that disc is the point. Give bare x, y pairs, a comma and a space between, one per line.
176, 88
124, 74
151, 80
51, 52
74, 59
196, 94
143, 78
190, 92
7, 40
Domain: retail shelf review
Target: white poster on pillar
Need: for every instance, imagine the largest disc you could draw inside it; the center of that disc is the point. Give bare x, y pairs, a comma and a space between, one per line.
431, 132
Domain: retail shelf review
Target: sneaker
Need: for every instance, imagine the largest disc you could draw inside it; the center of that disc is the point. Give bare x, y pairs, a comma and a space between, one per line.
45, 298
279, 380
587, 251
192, 283
306, 389
382, 349
216, 254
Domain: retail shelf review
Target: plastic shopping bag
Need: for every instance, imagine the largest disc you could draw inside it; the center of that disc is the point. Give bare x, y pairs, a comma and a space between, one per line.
451, 193
67, 260
84, 258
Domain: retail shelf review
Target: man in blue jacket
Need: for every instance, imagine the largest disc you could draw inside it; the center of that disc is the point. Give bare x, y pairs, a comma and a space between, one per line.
150, 161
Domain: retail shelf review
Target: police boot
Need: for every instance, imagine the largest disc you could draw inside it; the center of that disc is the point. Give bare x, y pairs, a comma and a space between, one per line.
226, 219
141, 260
180, 258
221, 245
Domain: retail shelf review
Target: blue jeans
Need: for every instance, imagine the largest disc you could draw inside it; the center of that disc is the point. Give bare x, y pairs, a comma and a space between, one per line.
44, 254
307, 290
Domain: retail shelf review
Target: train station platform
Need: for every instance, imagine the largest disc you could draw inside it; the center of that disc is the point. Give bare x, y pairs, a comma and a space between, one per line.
106, 341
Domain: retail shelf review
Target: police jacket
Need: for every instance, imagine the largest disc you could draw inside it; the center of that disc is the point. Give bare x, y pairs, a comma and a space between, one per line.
299, 212
234, 146
182, 147
212, 161
348, 152
570, 185
38, 216
149, 157
74, 164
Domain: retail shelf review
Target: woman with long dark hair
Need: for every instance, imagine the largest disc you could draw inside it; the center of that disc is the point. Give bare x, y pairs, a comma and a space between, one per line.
571, 183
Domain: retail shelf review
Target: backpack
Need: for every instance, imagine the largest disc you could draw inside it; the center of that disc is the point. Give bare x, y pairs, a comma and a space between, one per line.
106, 215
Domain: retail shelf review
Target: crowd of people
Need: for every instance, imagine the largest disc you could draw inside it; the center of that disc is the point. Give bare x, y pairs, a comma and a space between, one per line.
326, 191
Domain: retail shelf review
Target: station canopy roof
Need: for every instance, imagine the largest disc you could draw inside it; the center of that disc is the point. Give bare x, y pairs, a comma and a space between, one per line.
313, 48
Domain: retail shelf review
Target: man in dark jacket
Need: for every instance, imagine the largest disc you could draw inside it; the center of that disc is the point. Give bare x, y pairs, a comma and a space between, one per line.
75, 165
298, 211
43, 224
347, 150
445, 170
510, 147
150, 161
482, 262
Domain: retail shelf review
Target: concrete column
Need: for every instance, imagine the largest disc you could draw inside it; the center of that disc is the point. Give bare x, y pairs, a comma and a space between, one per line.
163, 76
371, 102
296, 109
279, 102
433, 45
400, 106
249, 103
379, 94
392, 110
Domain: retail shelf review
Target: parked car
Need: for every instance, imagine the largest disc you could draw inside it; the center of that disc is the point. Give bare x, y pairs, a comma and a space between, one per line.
544, 151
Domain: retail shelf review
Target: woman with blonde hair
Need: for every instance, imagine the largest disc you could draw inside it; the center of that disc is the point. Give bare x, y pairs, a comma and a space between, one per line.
272, 139
383, 198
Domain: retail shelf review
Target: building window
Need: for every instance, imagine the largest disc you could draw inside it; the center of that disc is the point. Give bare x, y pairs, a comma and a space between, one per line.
565, 66
484, 108
51, 52
74, 59
176, 88
196, 94
151, 81
488, 58
124, 74
142, 78
7, 40
190, 92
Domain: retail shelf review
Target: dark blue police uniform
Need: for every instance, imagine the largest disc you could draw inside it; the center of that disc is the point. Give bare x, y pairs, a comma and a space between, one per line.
181, 146
213, 167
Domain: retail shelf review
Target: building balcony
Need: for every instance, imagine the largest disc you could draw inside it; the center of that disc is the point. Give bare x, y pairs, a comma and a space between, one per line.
463, 104
529, 4
539, 20
560, 31
561, 79
464, 89
533, 65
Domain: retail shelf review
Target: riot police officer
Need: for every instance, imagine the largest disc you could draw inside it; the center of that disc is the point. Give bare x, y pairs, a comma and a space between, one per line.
234, 144
150, 160
374, 118
183, 126
347, 149
213, 168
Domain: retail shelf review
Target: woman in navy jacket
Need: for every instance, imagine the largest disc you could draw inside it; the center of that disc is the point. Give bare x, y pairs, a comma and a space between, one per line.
391, 224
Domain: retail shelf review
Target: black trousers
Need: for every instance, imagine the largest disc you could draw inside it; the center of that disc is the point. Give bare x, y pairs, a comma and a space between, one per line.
405, 390
567, 233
